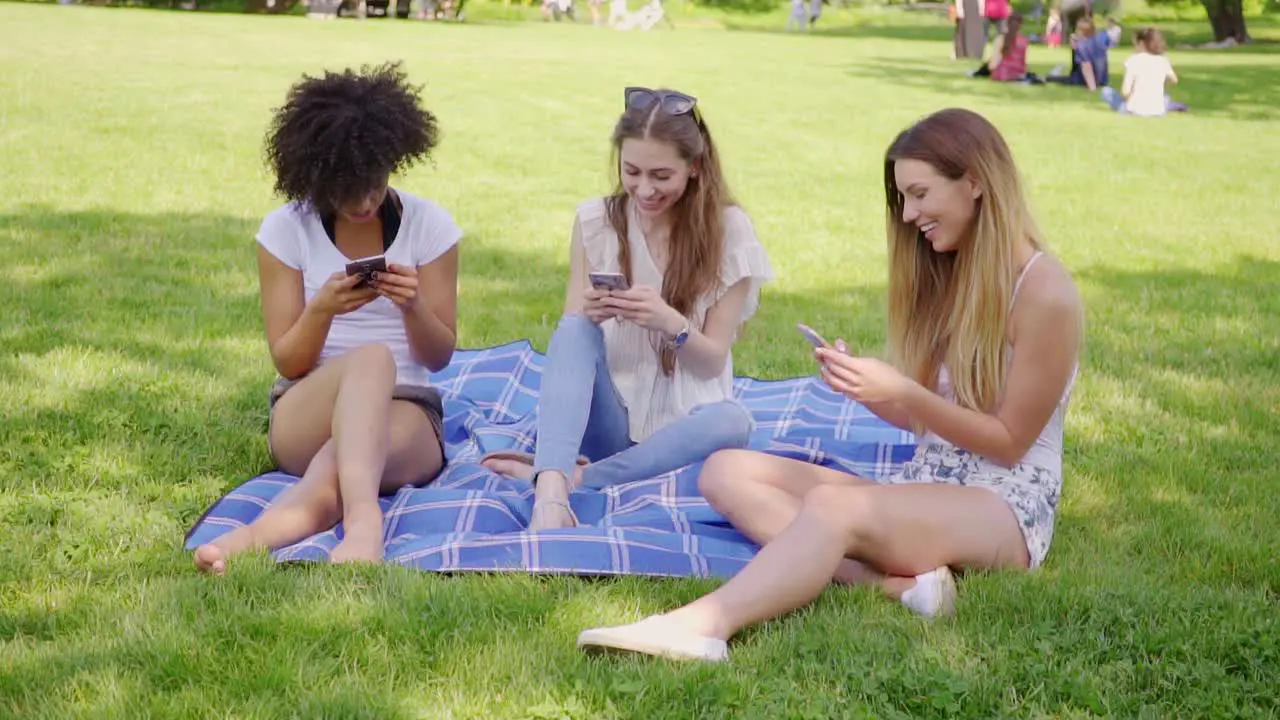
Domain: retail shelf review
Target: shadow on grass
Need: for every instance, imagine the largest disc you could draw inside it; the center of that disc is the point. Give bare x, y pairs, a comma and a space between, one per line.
1175, 437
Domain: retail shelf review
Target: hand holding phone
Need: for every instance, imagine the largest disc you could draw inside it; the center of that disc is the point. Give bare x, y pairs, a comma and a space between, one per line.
812, 336
608, 281
366, 267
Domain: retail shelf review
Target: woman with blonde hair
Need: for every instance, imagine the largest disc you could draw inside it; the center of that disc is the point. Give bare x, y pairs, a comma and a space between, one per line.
984, 328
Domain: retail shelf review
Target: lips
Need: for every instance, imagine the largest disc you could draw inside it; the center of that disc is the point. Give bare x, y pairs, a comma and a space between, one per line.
928, 228
650, 205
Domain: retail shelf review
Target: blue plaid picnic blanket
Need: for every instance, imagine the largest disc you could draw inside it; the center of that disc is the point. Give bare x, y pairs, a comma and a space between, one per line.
470, 519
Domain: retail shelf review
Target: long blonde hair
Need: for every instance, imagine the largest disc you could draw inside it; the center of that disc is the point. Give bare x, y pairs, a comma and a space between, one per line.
952, 308
696, 242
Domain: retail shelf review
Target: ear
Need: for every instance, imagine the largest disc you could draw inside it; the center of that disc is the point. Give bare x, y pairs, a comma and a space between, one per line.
975, 189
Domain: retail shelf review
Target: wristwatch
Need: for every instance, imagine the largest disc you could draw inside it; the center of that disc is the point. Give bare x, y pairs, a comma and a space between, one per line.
681, 338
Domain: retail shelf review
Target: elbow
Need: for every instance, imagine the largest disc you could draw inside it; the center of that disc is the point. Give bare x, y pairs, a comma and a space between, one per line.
1012, 452
438, 362
436, 358
289, 368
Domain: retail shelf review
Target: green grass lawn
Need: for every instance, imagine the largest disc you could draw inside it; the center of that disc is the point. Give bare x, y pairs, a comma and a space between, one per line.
134, 375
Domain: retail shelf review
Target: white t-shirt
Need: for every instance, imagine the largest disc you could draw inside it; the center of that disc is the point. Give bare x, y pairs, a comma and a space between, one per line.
295, 235
1149, 73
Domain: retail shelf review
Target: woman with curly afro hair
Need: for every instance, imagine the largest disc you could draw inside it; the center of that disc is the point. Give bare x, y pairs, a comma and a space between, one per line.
353, 413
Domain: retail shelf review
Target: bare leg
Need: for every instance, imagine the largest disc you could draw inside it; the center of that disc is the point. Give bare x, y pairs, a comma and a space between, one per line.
310, 506
762, 494
404, 450
361, 417
901, 530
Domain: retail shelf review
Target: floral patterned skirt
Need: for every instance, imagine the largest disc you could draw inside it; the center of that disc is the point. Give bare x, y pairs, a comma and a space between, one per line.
1030, 491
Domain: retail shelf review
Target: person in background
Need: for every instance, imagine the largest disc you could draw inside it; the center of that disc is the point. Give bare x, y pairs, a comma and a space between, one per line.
1145, 75
1088, 58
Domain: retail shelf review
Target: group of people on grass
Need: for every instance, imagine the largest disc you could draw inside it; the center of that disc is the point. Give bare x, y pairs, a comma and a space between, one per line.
1146, 72
983, 331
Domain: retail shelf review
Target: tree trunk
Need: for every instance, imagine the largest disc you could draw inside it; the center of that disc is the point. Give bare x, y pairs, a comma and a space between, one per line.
1227, 19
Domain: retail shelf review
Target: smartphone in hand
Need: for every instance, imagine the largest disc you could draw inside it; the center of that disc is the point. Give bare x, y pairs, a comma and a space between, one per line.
609, 281
365, 268
812, 336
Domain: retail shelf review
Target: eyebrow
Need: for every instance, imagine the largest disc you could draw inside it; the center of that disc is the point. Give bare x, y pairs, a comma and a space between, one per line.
653, 170
914, 187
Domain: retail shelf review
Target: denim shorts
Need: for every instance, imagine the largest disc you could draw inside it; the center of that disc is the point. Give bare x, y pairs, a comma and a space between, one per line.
426, 398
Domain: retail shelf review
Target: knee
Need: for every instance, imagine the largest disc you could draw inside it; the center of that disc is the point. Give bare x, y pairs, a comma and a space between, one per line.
372, 358
731, 423
848, 511
720, 473
579, 328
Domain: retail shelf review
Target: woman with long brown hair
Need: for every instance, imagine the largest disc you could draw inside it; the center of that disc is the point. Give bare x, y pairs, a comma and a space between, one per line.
984, 328
639, 372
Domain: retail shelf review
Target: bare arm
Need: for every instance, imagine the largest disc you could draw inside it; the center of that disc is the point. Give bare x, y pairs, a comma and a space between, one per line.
295, 331
707, 349
431, 320
1090, 80
1047, 336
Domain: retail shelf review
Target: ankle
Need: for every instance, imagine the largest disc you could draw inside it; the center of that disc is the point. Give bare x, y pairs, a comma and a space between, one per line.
363, 516
550, 484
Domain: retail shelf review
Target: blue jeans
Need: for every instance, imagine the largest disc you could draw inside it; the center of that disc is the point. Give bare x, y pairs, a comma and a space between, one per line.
580, 413
1116, 101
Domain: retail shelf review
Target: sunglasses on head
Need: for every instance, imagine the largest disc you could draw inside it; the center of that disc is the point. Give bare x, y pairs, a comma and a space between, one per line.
672, 102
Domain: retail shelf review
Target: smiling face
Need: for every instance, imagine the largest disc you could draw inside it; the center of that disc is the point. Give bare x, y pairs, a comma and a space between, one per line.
941, 208
653, 175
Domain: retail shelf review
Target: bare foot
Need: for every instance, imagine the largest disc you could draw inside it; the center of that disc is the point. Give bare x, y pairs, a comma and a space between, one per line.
551, 503
511, 468
551, 515
209, 558
521, 470
358, 547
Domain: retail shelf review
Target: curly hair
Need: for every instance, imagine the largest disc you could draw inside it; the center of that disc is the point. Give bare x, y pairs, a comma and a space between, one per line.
338, 137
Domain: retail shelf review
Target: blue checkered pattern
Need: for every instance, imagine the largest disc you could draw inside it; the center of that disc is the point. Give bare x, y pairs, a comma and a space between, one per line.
471, 519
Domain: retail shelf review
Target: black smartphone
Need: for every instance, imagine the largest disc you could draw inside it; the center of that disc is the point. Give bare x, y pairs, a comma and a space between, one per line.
365, 268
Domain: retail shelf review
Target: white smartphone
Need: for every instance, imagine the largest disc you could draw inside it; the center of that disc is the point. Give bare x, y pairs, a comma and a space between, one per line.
609, 281
812, 336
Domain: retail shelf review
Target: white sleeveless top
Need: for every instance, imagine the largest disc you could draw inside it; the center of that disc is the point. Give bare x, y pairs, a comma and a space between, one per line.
1046, 451
652, 398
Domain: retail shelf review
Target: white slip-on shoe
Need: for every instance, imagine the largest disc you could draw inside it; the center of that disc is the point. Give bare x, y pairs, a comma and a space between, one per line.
655, 635
933, 595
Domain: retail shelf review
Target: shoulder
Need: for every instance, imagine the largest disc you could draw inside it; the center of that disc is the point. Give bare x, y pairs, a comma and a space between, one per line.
283, 233
289, 215
432, 230
592, 216
1048, 300
592, 210
738, 228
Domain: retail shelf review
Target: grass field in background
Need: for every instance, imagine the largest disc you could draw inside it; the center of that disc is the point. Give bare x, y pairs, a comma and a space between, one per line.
135, 375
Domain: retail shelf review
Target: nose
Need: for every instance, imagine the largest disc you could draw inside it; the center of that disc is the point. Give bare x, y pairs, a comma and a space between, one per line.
909, 211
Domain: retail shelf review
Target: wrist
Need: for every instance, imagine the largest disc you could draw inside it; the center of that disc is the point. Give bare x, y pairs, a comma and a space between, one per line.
676, 324
313, 311
909, 395
413, 307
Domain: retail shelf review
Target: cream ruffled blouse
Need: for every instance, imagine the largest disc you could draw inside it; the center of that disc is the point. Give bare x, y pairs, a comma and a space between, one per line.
653, 399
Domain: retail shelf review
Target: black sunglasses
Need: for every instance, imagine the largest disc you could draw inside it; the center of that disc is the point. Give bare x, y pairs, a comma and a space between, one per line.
672, 102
